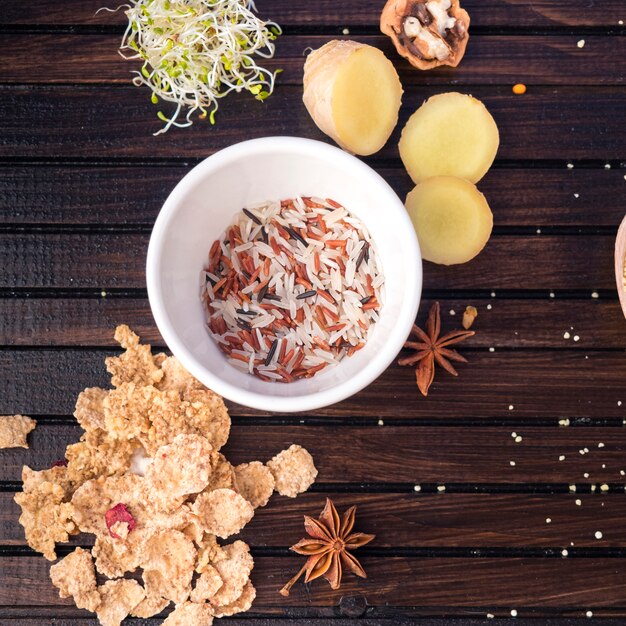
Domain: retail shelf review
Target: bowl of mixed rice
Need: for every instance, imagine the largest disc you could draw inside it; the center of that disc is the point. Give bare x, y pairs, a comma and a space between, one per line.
284, 274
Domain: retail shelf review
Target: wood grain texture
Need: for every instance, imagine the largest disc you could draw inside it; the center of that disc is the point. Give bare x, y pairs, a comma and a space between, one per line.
75, 121
81, 182
403, 455
543, 385
502, 323
437, 521
490, 59
508, 13
96, 195
479, 583
117, 260
502, 620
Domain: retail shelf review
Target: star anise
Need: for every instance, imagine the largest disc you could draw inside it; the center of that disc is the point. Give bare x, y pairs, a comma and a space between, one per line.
431, 348
328, 548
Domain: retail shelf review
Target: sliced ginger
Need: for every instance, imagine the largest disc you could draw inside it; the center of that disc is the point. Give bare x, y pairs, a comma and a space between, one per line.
353, 93
452, 219
451, 134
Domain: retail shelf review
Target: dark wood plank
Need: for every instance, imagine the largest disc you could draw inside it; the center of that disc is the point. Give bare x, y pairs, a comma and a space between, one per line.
490, 59
307, 621
457, 583
426, 521
117, 260
502, 323
403, 455
508, 13
41, 195
539, 384
77, 121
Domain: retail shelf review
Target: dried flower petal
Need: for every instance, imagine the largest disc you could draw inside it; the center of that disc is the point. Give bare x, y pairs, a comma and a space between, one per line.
119, 514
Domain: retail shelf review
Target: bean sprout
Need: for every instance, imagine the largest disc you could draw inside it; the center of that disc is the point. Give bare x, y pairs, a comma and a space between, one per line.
195, 52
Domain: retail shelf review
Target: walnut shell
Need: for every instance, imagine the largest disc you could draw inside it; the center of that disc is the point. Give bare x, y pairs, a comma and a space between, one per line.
392, 23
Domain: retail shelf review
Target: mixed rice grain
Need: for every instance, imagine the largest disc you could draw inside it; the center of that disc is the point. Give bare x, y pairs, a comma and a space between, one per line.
292, 287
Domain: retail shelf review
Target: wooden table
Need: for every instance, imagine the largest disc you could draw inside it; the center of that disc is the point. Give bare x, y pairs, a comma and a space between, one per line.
81, 181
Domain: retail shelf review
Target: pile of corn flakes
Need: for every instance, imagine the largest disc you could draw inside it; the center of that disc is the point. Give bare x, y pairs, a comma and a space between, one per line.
148, 480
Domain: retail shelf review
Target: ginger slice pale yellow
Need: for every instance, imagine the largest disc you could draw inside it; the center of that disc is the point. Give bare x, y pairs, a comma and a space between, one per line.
353, 93
451, 134
452, 219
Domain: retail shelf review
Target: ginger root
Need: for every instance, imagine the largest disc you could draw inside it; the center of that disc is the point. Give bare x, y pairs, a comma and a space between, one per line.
452, 219
353, 93
451, 134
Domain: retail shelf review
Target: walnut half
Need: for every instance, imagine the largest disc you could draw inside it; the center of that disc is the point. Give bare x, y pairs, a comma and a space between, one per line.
428, 33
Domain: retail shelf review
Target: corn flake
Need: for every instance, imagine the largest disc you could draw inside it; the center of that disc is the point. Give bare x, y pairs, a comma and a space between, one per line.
74, 576
118, 599
116, 557
14, 429
92, 500
46, 517
207, 585
222, 512
178, 470
208, 551
222, 475
243, 602
234, 569
89, 411
126, 411
136, 365
255, 483
189, 614
96, 455
293, 470
150, 606
176, 377
169, 559
56, 475
206, 412
203, 413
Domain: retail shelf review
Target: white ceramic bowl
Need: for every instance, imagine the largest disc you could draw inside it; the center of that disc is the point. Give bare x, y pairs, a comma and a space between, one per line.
202, 206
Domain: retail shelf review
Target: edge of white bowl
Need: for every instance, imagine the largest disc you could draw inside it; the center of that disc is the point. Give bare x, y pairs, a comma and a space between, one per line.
251, 399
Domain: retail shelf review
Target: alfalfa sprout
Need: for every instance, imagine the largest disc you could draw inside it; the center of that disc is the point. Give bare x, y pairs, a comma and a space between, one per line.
195, 52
